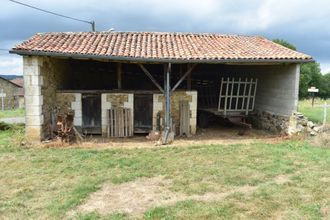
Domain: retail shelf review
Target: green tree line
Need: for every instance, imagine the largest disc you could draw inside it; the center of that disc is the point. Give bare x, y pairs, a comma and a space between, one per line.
310, 75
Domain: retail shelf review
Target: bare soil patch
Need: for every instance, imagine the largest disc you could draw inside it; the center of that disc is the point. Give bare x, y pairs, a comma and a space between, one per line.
215, 135
132, 198
136, 197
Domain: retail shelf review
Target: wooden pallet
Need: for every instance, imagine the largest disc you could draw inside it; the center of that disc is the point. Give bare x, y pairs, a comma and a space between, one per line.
120, 122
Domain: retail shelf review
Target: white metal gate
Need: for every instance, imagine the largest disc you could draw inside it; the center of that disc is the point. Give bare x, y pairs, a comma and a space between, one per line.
237, 96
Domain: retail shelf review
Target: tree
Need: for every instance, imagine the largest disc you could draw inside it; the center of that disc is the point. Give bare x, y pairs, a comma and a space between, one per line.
285, 44
310, 74
325, 86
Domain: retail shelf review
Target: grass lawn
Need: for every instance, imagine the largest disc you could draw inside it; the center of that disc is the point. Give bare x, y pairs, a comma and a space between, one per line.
314, 114
19, 112
46, 183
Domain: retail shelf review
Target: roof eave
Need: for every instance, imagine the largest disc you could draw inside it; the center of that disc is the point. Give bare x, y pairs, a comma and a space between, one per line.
155, 60
11, 82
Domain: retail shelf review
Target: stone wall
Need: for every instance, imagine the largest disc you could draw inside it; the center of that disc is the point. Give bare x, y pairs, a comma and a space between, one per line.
159, 106
113, 100
70, 102
11, 100
41, 80
274, 123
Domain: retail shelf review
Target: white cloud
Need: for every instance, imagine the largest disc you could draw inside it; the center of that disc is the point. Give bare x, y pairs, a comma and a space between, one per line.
302, 22
325, 67
11, 64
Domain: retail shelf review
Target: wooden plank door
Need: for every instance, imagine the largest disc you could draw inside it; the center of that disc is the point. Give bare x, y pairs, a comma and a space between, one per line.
143, 113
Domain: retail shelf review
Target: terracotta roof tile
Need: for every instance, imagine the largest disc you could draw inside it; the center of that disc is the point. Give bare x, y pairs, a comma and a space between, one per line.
159, 46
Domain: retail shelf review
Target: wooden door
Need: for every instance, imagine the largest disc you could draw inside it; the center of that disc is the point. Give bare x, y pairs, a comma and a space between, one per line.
91, 113
143, 113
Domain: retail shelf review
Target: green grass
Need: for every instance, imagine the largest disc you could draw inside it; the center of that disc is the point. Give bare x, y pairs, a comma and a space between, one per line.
19, 112
315, 113
46, 183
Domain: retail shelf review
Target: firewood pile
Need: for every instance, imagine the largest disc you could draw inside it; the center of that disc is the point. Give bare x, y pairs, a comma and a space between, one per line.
64, 128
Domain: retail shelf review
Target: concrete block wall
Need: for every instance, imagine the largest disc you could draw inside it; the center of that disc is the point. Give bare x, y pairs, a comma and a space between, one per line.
277, 94
113, 100
159, 106
278, 85
278, 89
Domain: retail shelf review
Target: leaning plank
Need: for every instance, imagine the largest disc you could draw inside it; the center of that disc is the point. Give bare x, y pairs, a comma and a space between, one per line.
78, 135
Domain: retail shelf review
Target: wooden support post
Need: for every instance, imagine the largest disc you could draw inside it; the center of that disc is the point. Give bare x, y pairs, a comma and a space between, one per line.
167, 95
119, 74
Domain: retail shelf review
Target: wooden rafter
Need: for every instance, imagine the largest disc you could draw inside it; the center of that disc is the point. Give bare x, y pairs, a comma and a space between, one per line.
183, 77
151, 77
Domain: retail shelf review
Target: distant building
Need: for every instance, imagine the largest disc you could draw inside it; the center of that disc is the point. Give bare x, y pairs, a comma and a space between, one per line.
20, 91
12, 93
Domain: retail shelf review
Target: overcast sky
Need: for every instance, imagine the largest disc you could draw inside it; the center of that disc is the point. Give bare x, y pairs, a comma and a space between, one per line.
304, 23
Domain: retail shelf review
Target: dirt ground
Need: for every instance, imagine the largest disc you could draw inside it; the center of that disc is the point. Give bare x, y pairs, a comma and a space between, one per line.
135, 197
213, 135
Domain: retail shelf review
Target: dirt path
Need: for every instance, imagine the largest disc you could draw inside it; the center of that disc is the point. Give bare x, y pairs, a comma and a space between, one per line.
14, 120
219, 136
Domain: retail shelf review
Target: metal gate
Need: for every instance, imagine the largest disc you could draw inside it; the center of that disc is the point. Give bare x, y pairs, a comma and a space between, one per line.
237, 96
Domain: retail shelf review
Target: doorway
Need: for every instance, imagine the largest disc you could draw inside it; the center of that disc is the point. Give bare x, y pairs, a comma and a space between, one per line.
91, 113
143, 113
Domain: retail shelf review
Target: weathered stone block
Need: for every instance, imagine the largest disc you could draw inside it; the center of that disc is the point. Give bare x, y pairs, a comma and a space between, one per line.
33, 110
33, 100
34, 120
33, 133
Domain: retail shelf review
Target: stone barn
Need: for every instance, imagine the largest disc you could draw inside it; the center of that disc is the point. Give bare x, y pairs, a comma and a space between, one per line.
118, 84
10, 94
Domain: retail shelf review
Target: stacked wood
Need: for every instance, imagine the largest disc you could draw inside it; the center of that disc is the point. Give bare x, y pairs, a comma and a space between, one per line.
120, 122
65, 130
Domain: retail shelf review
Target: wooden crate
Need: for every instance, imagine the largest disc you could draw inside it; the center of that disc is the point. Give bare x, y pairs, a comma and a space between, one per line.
120, 122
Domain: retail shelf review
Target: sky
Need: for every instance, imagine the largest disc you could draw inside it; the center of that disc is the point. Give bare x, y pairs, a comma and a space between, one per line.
304, 23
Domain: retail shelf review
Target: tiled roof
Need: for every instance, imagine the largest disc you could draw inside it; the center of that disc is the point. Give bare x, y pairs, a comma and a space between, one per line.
18, 81
157, 46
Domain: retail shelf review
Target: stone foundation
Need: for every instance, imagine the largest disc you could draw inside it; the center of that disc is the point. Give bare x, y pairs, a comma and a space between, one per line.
277, 124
